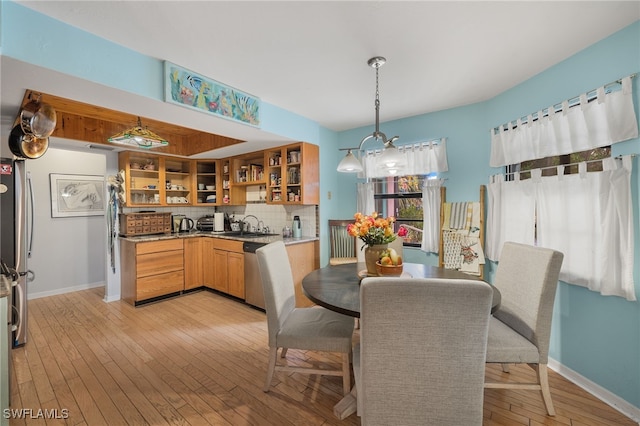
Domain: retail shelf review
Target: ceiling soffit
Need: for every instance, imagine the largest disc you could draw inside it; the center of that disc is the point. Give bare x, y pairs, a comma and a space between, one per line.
90, 123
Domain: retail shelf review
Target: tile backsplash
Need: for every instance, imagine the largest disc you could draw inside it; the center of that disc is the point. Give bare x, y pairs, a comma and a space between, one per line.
276, 217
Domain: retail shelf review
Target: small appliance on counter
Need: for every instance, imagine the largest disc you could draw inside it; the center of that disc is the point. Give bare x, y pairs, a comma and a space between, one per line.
176, 221
186, 224
297, 227
211, 223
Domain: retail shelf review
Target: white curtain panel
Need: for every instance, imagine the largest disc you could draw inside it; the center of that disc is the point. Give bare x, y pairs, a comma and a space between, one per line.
608, 119
419, 159
365, 202
431, 202
511, 214
586, 216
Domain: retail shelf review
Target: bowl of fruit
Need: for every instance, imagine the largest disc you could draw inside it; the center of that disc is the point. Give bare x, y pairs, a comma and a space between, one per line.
390, 264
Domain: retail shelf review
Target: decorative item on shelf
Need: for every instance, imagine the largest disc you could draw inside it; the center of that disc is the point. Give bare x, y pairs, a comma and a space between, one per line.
376, 232
139, 137
390, 158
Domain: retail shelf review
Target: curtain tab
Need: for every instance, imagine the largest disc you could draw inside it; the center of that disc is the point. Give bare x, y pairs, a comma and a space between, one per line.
565, 107
551, 111
519, 123
600, 94
583, 101
560, 172
529, 120
582, 169
608, 164
536, 174
626, 85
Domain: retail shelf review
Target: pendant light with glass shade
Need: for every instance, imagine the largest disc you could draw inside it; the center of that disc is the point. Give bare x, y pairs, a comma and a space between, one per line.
139, 137
390, 158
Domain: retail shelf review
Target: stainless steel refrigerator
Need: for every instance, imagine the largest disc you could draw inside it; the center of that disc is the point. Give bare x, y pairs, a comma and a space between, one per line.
16, 237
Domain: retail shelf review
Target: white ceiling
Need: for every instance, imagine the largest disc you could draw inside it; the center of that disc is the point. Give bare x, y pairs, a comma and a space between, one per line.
311, 57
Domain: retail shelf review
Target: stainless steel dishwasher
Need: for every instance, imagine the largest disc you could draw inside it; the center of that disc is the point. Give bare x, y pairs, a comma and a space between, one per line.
252, 280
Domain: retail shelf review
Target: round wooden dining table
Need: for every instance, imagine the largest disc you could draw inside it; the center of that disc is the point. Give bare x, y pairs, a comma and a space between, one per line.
338, 287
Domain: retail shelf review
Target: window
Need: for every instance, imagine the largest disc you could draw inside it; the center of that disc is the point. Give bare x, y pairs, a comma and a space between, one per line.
548, 164
401, 197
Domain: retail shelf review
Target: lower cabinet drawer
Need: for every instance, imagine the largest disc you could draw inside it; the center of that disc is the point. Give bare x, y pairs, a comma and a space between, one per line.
159, 285
159, 263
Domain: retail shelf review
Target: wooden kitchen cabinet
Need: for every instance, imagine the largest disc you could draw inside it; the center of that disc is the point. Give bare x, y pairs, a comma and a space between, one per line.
208, 264
289, 173
142, 178
228, 267
235, 274
152, 180
207, 182
151, 269
304, 258
193, 262
293, 174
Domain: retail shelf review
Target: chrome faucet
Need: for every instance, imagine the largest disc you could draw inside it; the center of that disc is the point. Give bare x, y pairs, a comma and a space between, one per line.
244, 219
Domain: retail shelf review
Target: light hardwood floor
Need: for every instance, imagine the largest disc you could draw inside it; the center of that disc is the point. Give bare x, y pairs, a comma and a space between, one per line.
201, 359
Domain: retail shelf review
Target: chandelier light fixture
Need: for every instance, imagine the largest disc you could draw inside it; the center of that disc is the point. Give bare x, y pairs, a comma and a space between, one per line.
390, 158
139, 137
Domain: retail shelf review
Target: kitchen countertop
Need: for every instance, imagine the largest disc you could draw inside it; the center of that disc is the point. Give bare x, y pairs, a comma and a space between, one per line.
266, 239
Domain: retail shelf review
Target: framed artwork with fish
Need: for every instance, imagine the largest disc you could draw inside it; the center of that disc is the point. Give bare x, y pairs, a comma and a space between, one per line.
187, 88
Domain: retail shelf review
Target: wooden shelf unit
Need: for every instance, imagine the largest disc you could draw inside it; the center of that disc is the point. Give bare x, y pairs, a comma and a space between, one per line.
290, 175
293, 174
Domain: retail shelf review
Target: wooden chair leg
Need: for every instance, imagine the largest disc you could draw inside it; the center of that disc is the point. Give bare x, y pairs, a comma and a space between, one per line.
283, 353
346, 374
543, 379
505, 368
273, 354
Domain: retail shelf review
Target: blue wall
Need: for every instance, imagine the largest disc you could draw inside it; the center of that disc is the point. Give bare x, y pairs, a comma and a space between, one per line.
596, 336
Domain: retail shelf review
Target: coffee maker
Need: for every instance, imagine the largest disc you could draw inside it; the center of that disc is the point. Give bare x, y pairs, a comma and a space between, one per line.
176, 222
297, 227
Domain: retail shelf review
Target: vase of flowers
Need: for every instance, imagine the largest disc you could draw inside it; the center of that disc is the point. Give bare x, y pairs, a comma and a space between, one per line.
376, 232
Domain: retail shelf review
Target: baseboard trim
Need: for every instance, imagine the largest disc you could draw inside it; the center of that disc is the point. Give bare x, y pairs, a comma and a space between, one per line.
57, 291
596, 390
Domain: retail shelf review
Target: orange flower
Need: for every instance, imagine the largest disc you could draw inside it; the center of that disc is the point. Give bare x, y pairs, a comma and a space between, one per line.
372, 229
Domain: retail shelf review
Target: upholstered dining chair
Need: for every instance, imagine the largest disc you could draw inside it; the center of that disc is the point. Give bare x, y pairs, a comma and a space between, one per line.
520, 329
421, 357
315, 328
343, 245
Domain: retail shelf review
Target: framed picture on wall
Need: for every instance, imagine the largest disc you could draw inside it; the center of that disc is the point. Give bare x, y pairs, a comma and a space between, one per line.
77, 195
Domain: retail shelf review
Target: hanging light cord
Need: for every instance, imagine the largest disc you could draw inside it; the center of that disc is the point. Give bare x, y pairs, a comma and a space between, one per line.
376, 63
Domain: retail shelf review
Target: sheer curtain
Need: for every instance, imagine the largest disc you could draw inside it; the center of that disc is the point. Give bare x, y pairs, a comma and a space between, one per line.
431, 202
607, 119
586, 216
365, 202
511, 213
419, 159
